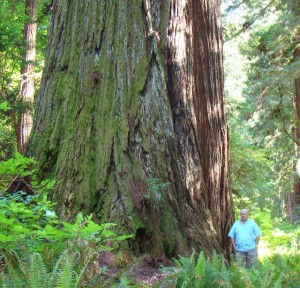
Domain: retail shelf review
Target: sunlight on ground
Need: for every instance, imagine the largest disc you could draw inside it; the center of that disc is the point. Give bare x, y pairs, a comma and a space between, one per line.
264, 250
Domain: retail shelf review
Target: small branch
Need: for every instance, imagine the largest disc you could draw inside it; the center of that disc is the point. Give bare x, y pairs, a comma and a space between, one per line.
248, 24
3, 95
13, 180
18, 179
293, 138
45, 12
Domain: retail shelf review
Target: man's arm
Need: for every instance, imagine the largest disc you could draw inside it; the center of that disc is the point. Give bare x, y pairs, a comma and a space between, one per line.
231, 234
257, 233
257, 240
233, 242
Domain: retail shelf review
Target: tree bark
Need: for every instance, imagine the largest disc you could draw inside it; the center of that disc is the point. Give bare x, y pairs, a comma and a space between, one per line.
27, 85
292, 200
132, 91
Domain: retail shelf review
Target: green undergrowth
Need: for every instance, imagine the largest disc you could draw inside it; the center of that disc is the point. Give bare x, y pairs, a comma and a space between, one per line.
276, 271
37, 249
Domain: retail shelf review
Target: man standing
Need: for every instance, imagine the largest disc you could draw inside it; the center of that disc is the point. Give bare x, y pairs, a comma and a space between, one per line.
244, 236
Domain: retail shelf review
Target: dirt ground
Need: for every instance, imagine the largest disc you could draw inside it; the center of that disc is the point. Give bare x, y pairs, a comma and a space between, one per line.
145, 271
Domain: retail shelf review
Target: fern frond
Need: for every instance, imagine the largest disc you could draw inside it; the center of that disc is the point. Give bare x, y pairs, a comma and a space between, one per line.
199, 271
54, 275
37, 273
67, 274
238, 276
88, 259
186, 276
201, 265
14, 278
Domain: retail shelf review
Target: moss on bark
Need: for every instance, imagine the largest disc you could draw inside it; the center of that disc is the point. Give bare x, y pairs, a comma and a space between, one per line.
112, 114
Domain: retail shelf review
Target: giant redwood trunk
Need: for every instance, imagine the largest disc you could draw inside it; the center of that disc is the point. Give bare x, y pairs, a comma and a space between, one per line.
133, 91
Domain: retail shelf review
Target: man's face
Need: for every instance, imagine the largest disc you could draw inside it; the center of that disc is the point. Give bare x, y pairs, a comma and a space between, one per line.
244, 216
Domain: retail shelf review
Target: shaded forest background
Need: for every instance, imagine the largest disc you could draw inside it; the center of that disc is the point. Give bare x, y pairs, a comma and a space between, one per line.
262, 87
263, 104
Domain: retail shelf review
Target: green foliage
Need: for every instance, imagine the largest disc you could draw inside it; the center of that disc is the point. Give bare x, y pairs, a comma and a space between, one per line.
38, 249
253, 175
263, 121
81, 243
22, 218
4, 106
12, 51
278, 235
288, 267
278, 271
30, 221
32, 271
156, 189
7, 136
203, 272
125, 283
17, 166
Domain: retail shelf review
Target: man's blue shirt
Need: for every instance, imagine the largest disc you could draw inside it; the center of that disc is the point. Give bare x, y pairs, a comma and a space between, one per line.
244, 235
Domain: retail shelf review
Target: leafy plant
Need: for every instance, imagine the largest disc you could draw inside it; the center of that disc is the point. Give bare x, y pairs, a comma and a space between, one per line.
32, 272
22, 217
203, 272
12, 49
19, 171
278, 271
156, 189
28, 222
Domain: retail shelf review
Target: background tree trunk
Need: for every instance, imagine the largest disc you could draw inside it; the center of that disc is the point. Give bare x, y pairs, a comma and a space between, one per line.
296, 203
27, 85
292, 200
132, 91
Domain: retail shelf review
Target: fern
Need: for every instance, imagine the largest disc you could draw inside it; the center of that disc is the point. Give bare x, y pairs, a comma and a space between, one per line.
199, 271
89, 256
53, 278
186, 265
238, 276
37, 273
220, 272
14, 277
67, 274
31, 272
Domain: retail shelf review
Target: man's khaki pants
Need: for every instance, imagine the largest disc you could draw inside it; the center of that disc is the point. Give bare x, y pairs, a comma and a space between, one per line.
248, 258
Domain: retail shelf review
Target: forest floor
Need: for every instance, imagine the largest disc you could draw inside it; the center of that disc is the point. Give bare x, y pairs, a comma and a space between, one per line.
145, 271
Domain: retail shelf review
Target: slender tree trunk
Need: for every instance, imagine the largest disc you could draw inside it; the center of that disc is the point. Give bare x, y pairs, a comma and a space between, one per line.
27, 85
292, 200
132, 91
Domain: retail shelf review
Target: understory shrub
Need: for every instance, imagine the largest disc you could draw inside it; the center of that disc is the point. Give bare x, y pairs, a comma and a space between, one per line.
32, 272
277, 271
37, 249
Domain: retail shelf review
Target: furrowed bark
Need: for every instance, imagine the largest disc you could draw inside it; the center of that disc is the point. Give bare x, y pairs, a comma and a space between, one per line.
132, 91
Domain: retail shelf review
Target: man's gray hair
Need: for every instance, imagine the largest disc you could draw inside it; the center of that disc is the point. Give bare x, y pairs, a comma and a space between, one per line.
245, 210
